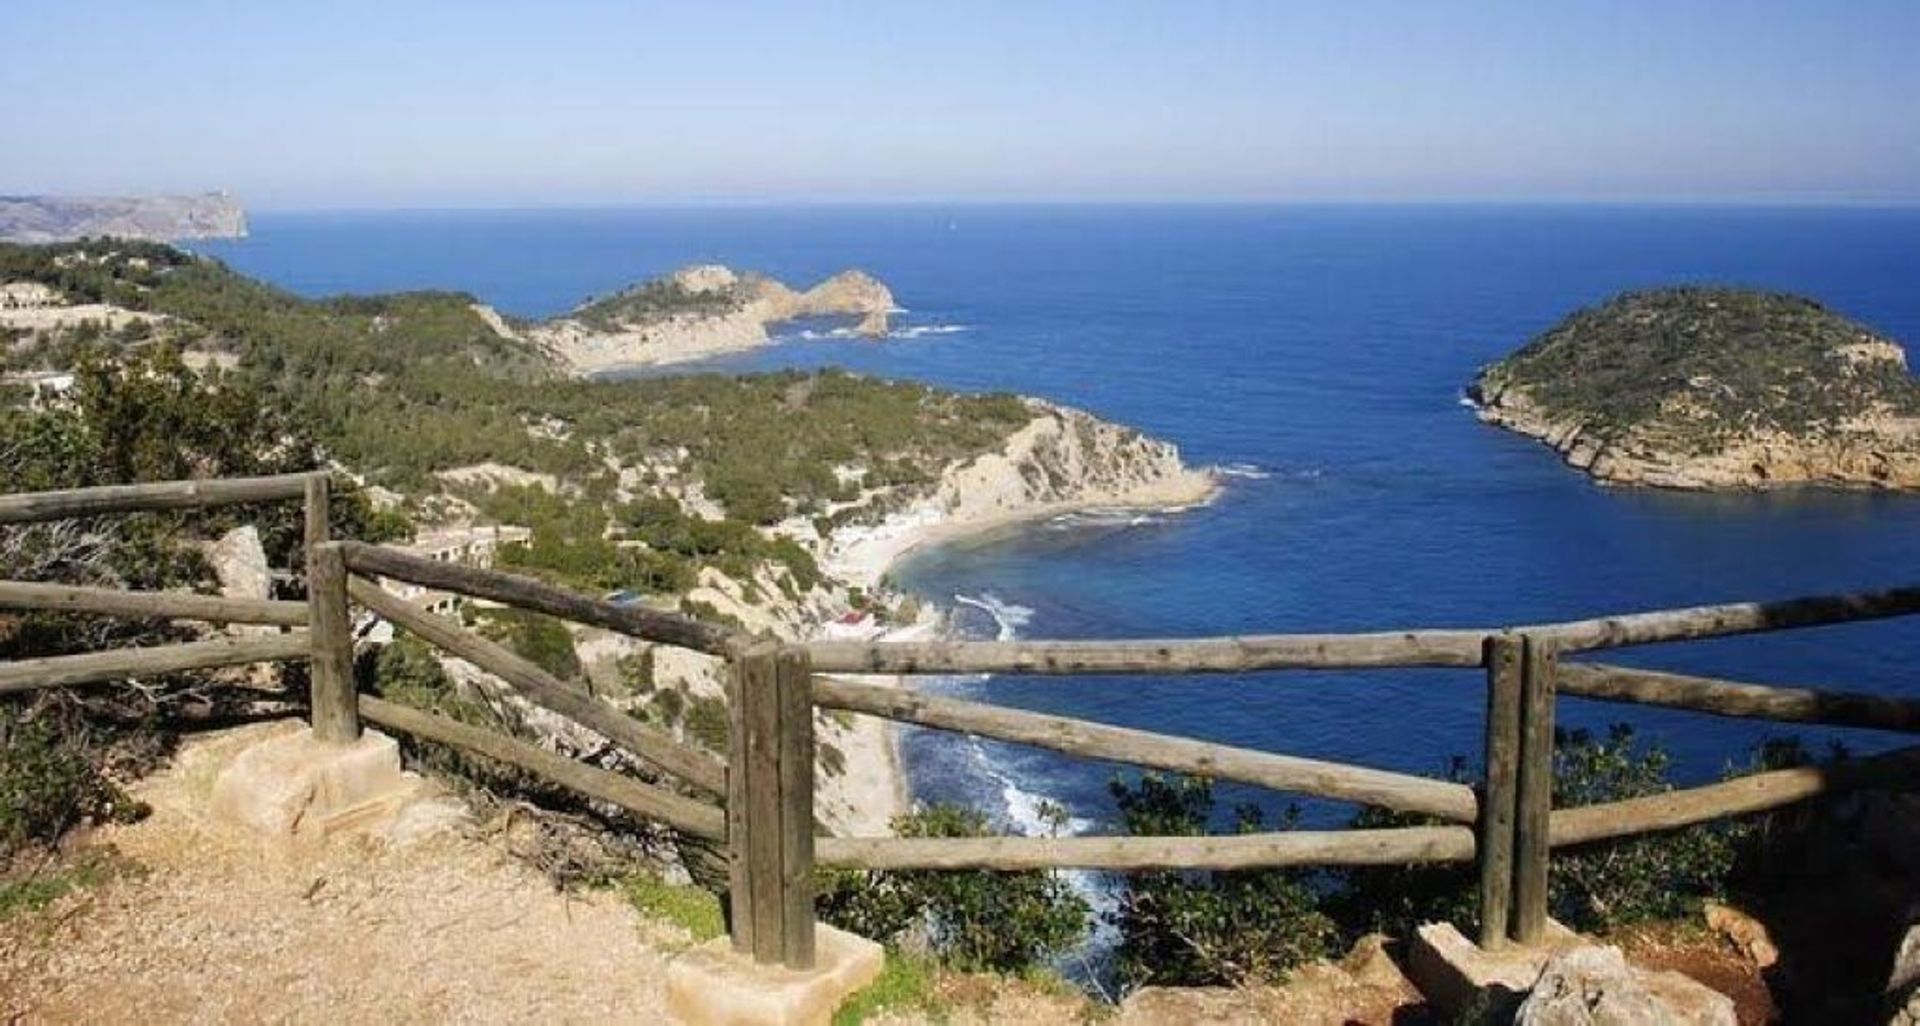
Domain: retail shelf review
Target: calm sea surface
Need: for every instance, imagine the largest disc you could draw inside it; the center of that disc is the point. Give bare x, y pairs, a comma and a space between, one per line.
1320, 353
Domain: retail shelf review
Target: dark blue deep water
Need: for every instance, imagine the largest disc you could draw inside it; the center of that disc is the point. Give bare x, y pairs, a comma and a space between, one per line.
1320, 350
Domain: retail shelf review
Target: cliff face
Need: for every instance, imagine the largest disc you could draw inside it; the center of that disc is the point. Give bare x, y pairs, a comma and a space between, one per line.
702, 311
1068, 457
1714, 389
37, 219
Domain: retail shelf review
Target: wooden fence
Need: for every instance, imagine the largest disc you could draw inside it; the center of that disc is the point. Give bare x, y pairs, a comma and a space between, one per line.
758, 800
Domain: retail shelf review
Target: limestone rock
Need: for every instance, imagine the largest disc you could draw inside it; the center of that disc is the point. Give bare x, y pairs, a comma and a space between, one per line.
1905, 971
241, 564
719, 311
1748, 934
1908, 1013
1594, 986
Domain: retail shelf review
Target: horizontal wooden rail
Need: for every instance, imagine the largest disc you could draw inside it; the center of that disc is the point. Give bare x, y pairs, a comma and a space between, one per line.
137, 498
1167, 655
538, 596
1444, 647
1732, 698
121, 664
545, 690
1401, 791
681, 813
150, 605
1755, 792
1731, 618
1404, 845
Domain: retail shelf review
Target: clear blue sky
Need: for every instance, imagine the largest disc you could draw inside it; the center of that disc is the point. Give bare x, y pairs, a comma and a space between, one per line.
481, 103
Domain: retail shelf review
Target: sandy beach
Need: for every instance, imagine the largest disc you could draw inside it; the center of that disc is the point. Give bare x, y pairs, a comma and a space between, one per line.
874, 789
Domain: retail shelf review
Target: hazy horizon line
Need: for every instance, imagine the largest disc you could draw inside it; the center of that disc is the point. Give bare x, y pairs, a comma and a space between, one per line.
1810, 202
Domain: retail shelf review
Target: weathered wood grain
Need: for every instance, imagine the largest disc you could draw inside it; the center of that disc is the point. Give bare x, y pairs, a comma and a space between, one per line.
335, 716
1405, 845
1533, 803
130, 663
1401, 791
1757, 792
544, 689
793, 698
1729, 618
1499, 800
153, 605
741, 918
1165, 655
538, 596
681, 813
1732, 698
85, 502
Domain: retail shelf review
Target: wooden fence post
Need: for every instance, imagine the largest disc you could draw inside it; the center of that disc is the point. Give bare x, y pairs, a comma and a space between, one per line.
1497, 801
1539, 661
336, 712
770, 804
794, 674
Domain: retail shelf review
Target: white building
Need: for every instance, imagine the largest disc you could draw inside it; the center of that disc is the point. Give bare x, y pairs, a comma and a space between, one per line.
468, 546
43, 388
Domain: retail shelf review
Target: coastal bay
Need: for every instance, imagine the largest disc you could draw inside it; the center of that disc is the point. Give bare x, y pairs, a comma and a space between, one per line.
1316, 353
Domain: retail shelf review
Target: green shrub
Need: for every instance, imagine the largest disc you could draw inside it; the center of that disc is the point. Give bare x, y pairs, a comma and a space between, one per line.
972, 919
1653, 876
1593, 887
1207, 928
34, 891
536, 637
49, 784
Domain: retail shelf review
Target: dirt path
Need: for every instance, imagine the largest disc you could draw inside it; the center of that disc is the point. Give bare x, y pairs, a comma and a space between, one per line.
432, 922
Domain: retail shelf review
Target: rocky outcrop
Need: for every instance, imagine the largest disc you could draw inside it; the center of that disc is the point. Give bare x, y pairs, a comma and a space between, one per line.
1366, 986
1068, 457
701, 311
1062, 460
1880, 450
1713, 389
213, 215
1594, 986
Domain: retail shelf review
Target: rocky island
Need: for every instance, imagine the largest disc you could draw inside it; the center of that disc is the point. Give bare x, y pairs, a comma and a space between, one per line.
702, 311
1714, 388
212, 215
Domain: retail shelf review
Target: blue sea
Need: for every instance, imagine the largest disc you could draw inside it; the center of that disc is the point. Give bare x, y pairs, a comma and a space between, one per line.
1319, 354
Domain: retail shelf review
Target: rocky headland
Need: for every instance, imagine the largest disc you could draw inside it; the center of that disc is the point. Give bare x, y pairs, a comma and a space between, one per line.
212, 215
774, 503
702, 311
1714, 388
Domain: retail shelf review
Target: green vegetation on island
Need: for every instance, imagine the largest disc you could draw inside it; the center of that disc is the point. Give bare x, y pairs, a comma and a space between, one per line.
1711, 387
655, 300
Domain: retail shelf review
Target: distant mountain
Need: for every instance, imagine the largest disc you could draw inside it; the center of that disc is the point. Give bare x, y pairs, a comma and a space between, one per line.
212, 215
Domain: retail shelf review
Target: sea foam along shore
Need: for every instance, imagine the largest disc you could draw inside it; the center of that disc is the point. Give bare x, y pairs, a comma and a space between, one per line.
1106, 468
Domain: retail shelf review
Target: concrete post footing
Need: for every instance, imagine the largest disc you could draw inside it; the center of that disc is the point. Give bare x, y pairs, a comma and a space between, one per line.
292, 786
713, 985
1458, 975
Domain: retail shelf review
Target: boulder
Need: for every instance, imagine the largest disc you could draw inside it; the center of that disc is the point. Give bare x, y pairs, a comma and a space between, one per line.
1904, 973
1744, 932
1594, 986
241, 564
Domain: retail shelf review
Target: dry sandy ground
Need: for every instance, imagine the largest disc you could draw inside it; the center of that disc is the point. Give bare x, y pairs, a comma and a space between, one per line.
433, 923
